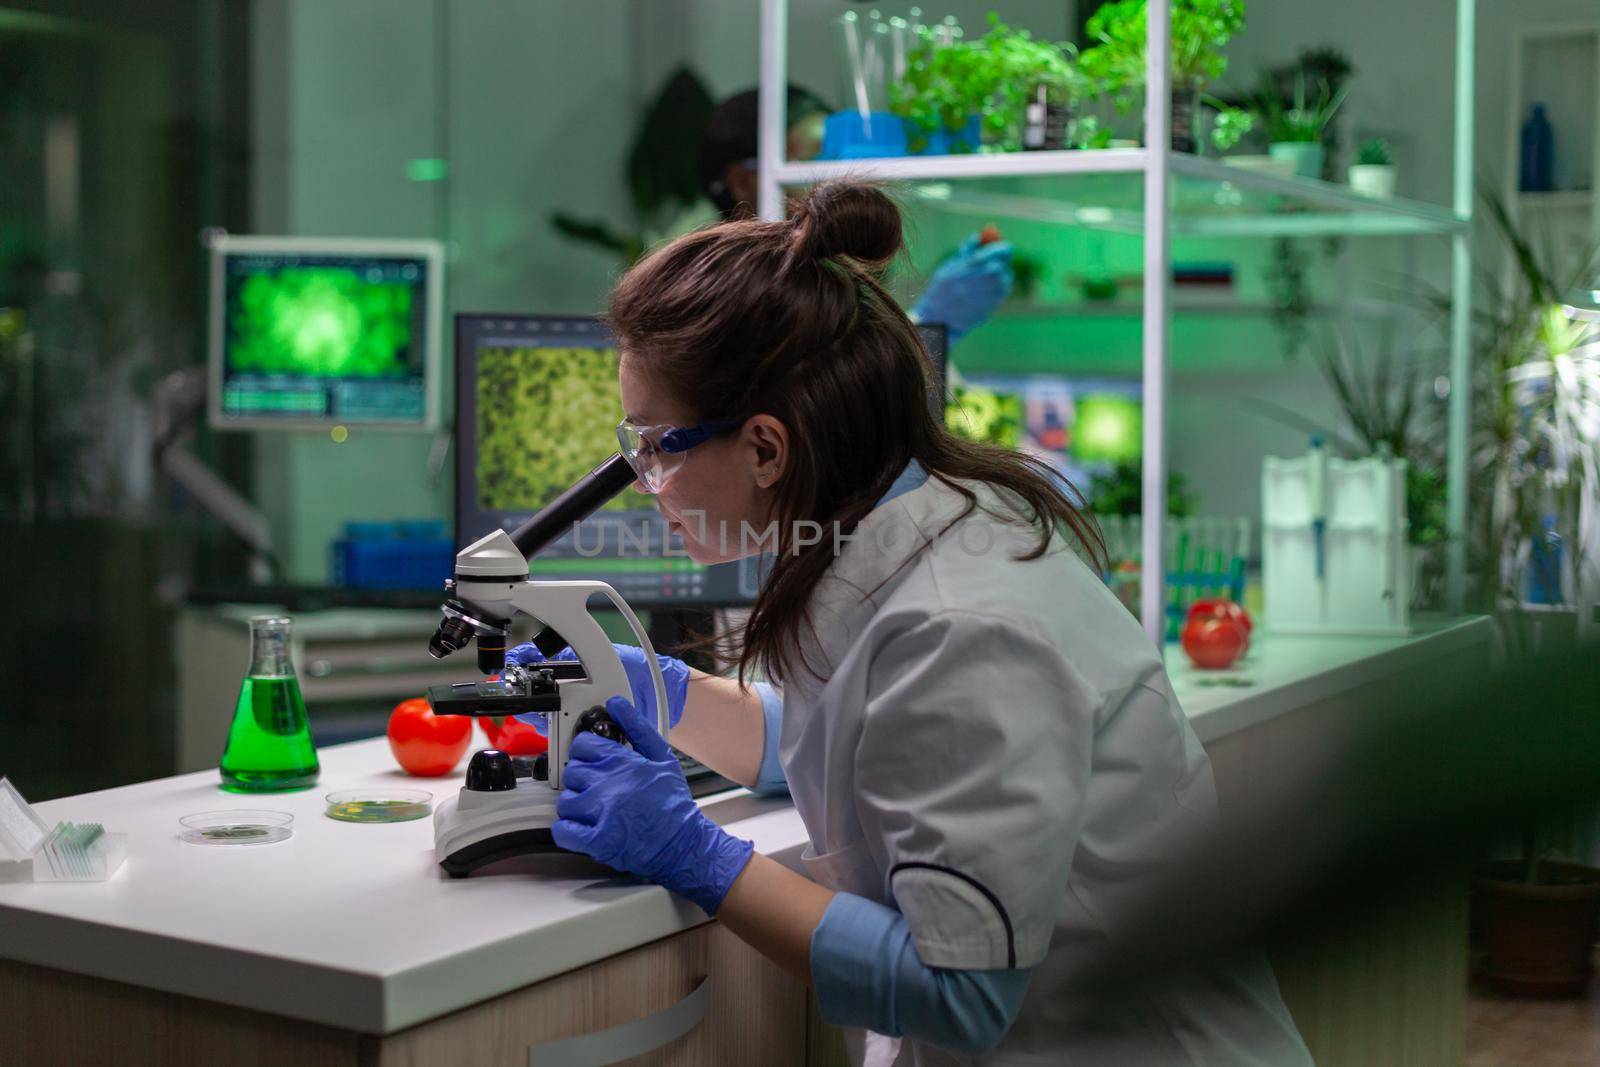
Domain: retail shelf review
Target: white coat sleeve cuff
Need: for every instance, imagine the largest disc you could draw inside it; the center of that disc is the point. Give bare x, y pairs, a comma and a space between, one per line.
770, 779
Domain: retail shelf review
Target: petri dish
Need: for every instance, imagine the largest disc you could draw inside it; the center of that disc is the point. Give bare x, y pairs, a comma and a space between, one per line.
379, 805
237, 826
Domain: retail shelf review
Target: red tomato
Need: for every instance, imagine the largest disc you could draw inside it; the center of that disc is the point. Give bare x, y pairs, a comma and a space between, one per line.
426, 744
988, 235
1223, 608
516, 738
1212, 643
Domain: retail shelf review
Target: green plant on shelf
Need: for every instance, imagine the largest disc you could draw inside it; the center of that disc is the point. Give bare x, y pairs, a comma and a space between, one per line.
946, 85
1303, 119
1120, 491
1090, 132
1374, 153
1534, 434
1200, 30
1290, 293
1230, 125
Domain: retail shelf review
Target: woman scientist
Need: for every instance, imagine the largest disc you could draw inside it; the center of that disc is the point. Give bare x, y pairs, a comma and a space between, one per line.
982, 743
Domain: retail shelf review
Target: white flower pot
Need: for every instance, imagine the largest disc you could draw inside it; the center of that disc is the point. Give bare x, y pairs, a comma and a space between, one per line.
1373, 179
1306, 156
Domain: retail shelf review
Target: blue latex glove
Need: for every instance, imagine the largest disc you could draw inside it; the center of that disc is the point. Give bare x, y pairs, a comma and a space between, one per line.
967, 287
674, 672
631, 810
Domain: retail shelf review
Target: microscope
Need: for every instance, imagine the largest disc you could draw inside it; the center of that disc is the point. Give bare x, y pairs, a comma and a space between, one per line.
507, 805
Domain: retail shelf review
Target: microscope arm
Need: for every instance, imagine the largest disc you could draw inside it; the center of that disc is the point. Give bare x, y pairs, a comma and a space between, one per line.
177, 401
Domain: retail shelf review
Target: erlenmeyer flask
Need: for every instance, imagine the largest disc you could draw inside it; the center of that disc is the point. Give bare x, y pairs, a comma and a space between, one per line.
269, 744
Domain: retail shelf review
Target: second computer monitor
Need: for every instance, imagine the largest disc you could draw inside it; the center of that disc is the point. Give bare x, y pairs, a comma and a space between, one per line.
536, 408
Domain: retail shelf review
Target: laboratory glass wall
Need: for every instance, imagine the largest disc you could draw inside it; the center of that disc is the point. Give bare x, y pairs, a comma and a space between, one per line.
122, 137
128, 133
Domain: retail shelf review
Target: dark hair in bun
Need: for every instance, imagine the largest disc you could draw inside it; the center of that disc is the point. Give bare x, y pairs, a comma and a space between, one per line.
843, 218
791, 318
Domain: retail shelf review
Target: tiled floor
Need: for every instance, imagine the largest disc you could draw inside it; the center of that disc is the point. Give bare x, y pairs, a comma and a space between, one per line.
1515, 1032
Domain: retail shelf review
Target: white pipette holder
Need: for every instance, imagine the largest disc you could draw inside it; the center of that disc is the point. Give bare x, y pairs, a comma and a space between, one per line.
1363, 585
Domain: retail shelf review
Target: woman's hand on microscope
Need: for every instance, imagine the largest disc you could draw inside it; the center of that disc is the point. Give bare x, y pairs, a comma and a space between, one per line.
674, 673
630, 809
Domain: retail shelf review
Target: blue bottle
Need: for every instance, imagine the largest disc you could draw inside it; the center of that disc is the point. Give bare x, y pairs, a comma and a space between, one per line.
1538, 153
1544, 566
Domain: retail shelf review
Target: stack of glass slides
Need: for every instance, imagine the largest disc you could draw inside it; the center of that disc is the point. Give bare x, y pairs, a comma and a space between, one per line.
71, 852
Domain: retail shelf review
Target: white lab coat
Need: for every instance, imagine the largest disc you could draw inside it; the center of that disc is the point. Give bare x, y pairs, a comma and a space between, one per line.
992, 747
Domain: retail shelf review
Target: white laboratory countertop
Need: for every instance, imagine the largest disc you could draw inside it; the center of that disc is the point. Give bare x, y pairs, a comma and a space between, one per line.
354, 926
1286, 671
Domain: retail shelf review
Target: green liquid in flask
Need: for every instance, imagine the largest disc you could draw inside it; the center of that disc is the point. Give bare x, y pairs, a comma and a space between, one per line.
269, 745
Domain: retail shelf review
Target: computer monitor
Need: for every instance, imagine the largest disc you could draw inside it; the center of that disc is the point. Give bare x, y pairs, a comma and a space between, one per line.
308, 333
1080, 426
536, 408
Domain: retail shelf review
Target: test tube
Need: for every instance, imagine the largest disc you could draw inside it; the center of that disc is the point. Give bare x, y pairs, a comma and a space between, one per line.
850, 39
900, 44
1241, 554
876, 63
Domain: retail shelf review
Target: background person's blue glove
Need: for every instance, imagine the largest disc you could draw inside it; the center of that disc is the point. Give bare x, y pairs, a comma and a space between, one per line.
674, 672
631, 810
967, 287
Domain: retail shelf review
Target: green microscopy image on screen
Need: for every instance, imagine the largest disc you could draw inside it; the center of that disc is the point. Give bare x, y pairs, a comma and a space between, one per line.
320, 321
546, 417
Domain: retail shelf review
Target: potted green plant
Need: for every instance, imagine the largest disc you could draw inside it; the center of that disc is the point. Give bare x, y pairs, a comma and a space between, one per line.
958, 97
1120, 491
1295, 128
1534, 454
1539, 918
1373, 172
1200, 30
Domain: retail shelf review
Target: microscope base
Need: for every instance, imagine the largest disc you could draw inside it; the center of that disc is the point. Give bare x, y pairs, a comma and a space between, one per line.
463, 861
473, 829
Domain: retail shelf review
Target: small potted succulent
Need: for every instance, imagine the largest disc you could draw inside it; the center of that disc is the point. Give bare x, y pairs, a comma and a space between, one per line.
1200, 29
1296, 130
1373, 172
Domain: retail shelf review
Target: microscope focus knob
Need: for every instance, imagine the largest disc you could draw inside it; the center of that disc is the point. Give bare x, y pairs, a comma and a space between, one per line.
599, 722
537, 768
491, 771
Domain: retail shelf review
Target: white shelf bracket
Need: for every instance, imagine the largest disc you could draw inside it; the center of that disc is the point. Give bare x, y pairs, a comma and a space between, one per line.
1156, 331
1456, 469
772, 107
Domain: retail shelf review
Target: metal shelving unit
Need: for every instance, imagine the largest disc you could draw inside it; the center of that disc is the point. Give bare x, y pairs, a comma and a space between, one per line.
1191, 197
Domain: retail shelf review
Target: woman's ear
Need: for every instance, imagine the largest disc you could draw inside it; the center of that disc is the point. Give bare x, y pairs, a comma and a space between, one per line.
767, 442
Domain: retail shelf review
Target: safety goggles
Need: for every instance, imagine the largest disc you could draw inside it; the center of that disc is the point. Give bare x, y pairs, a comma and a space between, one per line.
656, 452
